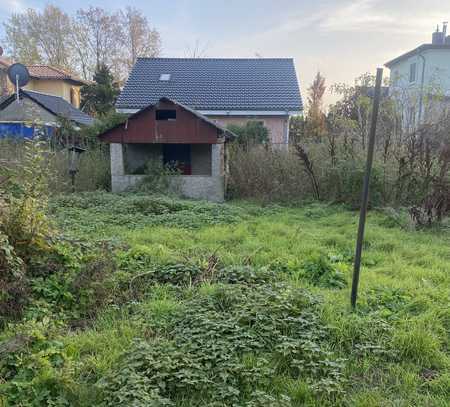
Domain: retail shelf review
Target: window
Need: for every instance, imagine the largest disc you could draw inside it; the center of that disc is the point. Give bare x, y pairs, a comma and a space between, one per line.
165, 77
412, 72
166, 114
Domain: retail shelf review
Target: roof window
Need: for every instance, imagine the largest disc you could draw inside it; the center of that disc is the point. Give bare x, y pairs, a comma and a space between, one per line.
165, 77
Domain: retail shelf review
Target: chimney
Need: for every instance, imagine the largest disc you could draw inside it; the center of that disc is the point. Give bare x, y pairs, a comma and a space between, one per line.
444, 28
438, 37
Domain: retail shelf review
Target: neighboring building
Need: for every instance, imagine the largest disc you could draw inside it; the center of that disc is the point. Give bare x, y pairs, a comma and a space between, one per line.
36, 112
174, 135
227, 91
419, 74
45, 79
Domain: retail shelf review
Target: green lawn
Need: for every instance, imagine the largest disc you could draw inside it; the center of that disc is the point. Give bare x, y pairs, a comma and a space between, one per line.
240, 305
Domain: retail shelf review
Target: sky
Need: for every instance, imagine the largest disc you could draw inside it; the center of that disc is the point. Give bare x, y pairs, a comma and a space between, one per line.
342, 38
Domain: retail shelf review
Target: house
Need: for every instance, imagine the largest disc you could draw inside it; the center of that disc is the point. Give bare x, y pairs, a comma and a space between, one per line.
420, 73
36, 111
172, 134
227, 91
46, 79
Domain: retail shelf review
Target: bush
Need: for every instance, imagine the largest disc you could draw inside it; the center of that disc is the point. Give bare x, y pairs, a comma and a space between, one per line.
266, 175
93, 170
344, 183
158, 179
250, 134
24, 227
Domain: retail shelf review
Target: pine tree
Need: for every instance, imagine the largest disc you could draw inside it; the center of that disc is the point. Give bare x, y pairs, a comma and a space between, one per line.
99, 97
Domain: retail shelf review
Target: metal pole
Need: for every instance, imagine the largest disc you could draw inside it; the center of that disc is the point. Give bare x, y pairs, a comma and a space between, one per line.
365, 193
17, 87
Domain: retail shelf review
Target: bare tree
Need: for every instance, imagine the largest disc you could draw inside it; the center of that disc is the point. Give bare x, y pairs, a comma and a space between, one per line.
139, 39
196, 50
92, 38
40, 37
18, 42
102, 37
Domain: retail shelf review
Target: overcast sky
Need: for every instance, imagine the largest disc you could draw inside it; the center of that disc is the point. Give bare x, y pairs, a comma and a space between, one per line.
341, 38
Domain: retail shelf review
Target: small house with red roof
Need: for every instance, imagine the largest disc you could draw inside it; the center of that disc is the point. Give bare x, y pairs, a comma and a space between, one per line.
45, 79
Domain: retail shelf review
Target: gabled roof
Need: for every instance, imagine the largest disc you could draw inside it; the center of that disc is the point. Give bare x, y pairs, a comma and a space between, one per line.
229, 135
54, 104
40, 71
51, 72
214, 84
416, 51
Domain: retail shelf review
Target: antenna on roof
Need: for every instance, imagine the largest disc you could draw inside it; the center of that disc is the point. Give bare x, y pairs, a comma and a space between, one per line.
19, 75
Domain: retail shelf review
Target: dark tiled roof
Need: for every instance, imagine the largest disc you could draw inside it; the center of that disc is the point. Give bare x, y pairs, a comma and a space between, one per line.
416, 51
214, 84
59, 107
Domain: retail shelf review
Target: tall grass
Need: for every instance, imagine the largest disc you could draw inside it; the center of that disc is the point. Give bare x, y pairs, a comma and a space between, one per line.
93, 169
266, 175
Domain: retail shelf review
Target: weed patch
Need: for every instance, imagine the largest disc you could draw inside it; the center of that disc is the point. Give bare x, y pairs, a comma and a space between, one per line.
224, 346
90, 213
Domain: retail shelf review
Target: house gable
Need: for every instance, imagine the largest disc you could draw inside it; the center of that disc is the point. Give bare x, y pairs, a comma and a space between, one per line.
45, 106
27, 111
166, 122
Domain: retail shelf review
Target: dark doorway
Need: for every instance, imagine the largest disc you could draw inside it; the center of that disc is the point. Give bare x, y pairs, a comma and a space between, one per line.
178, 156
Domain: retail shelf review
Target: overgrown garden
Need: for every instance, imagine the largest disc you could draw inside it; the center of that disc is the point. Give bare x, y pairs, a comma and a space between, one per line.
145, 299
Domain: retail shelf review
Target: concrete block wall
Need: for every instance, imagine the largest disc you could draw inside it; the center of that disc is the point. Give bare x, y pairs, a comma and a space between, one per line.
137, 155
201, 159
208, 187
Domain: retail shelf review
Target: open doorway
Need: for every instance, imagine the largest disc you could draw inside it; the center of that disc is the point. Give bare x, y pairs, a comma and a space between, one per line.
178, 156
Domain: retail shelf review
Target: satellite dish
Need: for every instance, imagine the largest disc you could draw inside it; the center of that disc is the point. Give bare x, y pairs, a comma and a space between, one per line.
18, 74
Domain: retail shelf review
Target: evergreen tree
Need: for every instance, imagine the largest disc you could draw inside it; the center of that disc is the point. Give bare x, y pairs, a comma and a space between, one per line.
99, 97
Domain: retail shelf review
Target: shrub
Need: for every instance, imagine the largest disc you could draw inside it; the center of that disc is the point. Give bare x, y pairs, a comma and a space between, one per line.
266, 175
93, 171
250, 134
158, 179
24, 227
344, 182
